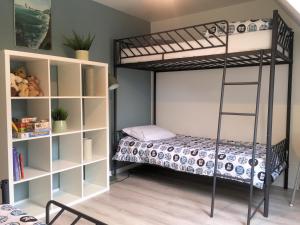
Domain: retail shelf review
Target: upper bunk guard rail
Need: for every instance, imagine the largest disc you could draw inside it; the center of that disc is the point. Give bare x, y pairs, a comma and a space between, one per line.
160, 45
284, 35
172, 41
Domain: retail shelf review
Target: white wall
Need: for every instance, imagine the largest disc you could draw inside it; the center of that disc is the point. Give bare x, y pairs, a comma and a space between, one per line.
187, 102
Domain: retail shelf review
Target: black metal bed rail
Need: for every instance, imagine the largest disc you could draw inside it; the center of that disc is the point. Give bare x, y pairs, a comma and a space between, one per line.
63, 208
285, 35
238, 59
177, 40
118, 135
279, 154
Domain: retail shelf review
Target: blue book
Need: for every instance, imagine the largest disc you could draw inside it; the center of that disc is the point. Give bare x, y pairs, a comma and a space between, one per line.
16, 166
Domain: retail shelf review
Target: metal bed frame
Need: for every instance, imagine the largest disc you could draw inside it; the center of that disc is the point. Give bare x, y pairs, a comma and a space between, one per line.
162, 43
61, 209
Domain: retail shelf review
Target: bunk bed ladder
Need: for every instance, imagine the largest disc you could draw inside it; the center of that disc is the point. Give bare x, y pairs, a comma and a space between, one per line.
253, 146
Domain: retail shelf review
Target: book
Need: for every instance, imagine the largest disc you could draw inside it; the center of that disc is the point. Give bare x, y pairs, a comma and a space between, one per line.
16, 171
21, 165
31, 134
18, 159
28, 120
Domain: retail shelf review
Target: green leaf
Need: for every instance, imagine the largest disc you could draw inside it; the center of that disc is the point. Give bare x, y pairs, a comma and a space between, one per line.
76, 42
59, 114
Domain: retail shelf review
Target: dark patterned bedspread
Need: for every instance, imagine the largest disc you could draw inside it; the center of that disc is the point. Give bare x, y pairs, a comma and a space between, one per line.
197, 155
10, 215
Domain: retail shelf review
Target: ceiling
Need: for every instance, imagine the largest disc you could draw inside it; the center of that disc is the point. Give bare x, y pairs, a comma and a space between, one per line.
154, 10
290, 10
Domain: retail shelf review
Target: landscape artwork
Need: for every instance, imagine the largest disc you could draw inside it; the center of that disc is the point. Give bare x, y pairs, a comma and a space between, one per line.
33, 23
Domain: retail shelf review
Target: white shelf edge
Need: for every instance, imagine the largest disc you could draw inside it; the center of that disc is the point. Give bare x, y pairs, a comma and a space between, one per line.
96, 159
66, 133
29, 98
29, 139
102, 189
27, 205
40, 173
64, 197
65, 97
52, 58
94, 97
74, 166
94, 129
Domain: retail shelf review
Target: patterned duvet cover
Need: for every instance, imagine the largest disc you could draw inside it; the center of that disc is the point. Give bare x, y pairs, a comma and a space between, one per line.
9, 215
197, 156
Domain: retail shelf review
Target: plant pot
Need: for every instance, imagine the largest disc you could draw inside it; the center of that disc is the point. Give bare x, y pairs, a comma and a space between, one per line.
82, 54
60, 126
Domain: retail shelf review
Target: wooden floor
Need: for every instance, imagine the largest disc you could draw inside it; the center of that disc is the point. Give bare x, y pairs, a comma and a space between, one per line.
161, 197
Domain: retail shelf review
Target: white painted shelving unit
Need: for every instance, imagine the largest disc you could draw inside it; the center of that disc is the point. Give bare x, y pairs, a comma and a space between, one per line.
54, 164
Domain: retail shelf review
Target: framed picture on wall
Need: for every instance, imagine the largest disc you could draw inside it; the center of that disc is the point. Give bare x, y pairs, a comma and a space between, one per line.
33, 23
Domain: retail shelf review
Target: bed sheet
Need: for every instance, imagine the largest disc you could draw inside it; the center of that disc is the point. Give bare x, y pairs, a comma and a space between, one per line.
197, 155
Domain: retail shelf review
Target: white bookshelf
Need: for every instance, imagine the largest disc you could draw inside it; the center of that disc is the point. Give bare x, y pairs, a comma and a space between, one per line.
54, 164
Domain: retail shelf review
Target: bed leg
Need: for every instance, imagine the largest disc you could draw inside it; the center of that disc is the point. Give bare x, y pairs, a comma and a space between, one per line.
267, 201
286, 178
114, 168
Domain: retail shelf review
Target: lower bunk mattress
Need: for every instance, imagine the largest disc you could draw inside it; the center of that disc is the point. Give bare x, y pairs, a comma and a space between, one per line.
196, 155
9, 215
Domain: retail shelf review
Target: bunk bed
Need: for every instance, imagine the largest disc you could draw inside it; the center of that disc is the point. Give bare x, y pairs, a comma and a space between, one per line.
222, 45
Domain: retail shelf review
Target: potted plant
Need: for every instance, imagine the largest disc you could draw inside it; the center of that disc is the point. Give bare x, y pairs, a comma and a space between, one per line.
59, 117
81, 45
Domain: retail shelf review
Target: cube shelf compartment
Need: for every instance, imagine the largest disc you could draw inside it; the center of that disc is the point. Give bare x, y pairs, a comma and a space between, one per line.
95, 179
32, 196
30, 108
73, 107
67, 186
66, 152
92, 108
34, 67
65, 78
91, 76
99, 143
54, 164
36, 155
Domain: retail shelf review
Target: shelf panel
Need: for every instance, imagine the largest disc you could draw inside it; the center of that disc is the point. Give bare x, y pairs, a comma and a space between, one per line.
62, 165
96, 158
29, 139
64, 197
94, 97
66, 133
86, 129
31, 173
65, 97
30, 98
30, 207
91, 189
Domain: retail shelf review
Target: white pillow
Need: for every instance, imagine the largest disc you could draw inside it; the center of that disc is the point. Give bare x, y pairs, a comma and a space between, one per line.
148, 133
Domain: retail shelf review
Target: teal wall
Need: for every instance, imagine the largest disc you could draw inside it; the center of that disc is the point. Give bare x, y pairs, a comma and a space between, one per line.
107, 24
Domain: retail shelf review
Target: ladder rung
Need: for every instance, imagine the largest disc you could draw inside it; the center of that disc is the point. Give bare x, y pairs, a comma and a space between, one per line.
234, 145
238, 114
241, 83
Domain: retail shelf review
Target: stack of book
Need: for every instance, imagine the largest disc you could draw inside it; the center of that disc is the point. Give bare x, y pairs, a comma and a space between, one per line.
30, 127
18, 165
